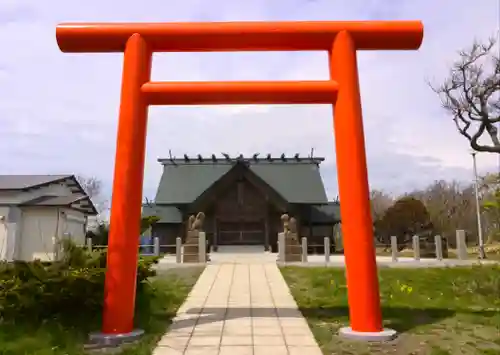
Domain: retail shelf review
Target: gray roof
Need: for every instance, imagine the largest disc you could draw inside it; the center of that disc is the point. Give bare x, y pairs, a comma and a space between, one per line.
167, 214
75, 200
326, 213
23, 182
297, 181
55, 200
182, 184
20, 182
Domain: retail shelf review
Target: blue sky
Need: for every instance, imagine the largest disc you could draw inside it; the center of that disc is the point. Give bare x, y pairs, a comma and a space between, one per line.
59, 111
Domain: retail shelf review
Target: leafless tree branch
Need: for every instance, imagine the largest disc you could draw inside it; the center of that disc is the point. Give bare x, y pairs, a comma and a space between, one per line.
93, 188
471, 94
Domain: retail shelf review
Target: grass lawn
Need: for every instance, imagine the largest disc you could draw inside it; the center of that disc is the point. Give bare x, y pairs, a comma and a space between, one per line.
447, 311
154, 312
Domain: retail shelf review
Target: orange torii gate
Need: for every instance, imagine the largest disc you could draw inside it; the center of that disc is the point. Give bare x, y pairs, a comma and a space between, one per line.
340, 39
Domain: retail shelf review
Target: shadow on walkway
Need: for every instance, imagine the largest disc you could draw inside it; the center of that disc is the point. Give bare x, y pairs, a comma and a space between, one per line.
401, 319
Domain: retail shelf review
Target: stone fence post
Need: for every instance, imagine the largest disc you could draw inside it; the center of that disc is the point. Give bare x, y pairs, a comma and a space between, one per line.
88, 244
304, 249
416, 247
156, 246
327, 250
439, 247
461, 245
178, 250
394, 248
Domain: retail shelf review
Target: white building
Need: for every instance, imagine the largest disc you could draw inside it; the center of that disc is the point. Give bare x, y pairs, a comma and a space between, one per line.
36, 211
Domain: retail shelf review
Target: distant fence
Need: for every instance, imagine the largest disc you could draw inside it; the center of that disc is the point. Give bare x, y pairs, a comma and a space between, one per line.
154, 249
416, 248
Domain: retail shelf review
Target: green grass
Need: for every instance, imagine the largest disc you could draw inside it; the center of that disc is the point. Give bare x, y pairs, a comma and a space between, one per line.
155, 309
437, 311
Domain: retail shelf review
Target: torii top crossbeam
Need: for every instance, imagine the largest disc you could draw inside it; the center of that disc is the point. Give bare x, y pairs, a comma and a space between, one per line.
239, 36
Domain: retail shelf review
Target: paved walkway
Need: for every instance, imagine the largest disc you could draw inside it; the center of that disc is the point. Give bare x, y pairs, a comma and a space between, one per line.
239, 309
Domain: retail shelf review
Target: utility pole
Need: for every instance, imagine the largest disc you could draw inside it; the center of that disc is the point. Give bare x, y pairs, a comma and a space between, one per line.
482, 254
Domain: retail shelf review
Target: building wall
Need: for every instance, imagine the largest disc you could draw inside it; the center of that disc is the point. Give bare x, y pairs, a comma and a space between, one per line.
241, 201
73, 225
43, 227
275, 227
4, 235
10, 229
39, 233
14, 231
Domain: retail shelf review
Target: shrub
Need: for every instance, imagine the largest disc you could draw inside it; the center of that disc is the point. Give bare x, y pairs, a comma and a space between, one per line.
405, 218
67, 289
100, 235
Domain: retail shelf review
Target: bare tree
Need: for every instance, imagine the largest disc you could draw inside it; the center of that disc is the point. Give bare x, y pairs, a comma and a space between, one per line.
380, 201
471, 94
93, 188
450, 206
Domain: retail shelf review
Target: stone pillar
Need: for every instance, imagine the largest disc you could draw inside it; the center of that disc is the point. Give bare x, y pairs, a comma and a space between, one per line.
304, 250
293, 248
192, 247
202, 247
394, 248
416, 247
281, 247
88, 243
439, 247
461, 245
195, 248
156, 246
290, 249
178, 250
327, 249
215, 245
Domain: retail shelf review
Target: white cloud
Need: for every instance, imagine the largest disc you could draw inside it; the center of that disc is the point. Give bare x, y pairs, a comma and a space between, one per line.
59, 111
